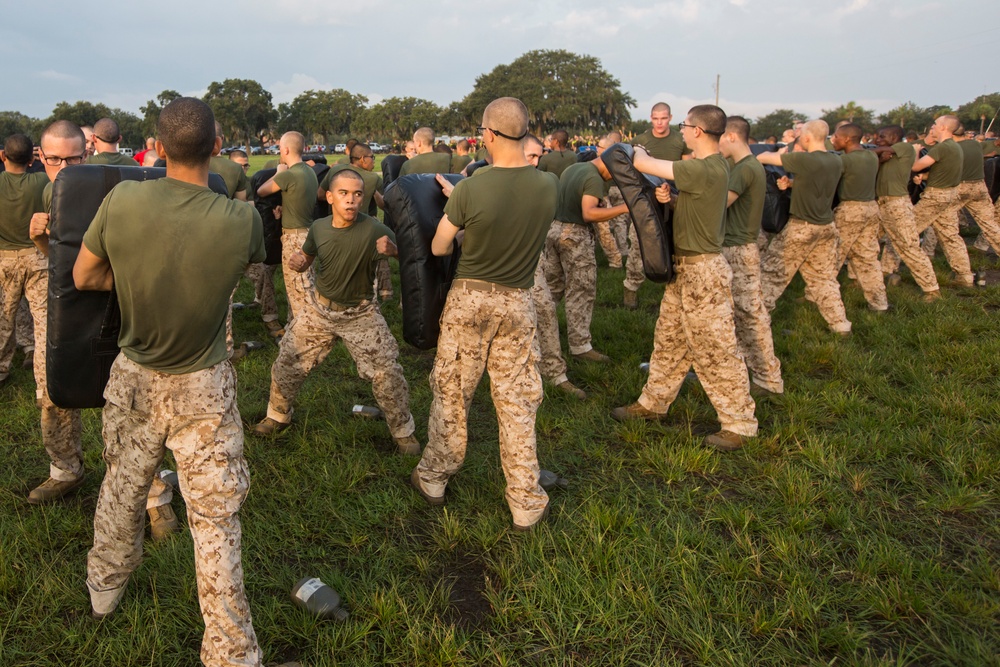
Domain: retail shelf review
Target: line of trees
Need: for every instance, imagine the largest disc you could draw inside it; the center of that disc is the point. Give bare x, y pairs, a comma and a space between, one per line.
560, 89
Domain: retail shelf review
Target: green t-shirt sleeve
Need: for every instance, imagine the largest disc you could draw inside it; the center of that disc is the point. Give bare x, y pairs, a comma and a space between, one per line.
935, 152
792, 162
243, 183
739, 181
283, 178
455, 208
47, 197
594, 185
309, 246
379, 185
93, 238
690, 175
258, 253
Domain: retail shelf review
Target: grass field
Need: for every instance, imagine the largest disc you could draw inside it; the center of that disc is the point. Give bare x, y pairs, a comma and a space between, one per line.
862, 527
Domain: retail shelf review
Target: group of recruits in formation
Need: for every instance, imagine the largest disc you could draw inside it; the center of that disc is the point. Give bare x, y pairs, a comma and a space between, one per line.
526, 224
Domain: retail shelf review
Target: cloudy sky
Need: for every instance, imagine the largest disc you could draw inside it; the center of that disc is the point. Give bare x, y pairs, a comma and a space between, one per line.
801, 54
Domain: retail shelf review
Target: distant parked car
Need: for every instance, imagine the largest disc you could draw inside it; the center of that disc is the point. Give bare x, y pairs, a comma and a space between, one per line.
376, 147
273, 149
340, 148
126, 151
316, 148
257, 150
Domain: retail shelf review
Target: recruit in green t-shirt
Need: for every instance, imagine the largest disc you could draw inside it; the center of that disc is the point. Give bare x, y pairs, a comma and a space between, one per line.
21, 196
556, 162
580, 179
748, 180
113, 159
232, 173
346, 258
373, 183
177, 251
670, 147
817, 175
894, 174
506, 213
459, 162
427, 163
298, 186
860, 173
973, 167
700, 214
946, 172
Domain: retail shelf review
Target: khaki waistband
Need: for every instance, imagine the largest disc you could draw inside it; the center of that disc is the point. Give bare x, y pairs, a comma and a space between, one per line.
333, 305
18, 253
483, 286
694, 259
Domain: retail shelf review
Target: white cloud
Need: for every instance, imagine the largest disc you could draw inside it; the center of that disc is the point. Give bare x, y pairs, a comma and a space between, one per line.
595, 22
53, 75
286, 91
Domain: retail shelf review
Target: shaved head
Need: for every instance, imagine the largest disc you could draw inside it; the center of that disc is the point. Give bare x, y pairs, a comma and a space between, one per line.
63, 129
424, 136
218, 130
949, 123
817, 129
294, 142
739, 126
507, 115
660, 106
851, 133
614, 136
346, 173
107, 130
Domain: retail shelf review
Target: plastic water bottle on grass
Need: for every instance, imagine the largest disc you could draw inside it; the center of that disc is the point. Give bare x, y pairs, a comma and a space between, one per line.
317, 598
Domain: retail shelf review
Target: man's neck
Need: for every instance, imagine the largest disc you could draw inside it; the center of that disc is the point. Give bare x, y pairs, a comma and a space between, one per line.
739, 151
196, 175
850, 148
666, 133
292, 160
509, 157
14, 168
705, 149
343, 223
106, 148
424, 149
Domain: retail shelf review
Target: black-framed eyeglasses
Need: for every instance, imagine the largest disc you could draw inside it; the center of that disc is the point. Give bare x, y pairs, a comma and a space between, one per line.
71, 160
681, 126
500, 134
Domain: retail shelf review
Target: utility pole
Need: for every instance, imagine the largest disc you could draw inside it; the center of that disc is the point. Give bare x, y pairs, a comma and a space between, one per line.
717, 89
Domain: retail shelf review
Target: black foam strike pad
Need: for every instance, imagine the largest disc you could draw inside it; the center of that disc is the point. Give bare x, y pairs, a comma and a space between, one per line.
777, 202
322, 208
391, 165
265, 206
83, 326
653, 224
416, 203
991, 174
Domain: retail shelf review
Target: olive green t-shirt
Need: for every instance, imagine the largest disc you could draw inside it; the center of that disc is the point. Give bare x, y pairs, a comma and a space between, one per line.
177, 251
556, 162
459, 162
748, 180
346, 258
860, 172
298, 186
373, 182
700, 214
506, 213
113, 159
817, 175
427, 163
232, 174
21, 196
670, 147
894, 174
578, 180
946, 172
973, 168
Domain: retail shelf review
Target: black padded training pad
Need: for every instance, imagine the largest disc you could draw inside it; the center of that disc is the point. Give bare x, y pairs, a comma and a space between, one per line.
391, 164
265, 206
777, 202
991, 171
416, 204
653, 225
83, 326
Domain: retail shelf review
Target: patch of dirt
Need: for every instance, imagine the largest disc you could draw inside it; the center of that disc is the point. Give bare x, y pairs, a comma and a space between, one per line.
468, 607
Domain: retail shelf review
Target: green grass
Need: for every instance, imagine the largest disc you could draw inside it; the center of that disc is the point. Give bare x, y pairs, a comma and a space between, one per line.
862, 527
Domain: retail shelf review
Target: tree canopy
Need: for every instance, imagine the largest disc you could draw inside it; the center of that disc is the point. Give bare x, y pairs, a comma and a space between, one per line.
774, 123
241, 106
560, 89
321, 114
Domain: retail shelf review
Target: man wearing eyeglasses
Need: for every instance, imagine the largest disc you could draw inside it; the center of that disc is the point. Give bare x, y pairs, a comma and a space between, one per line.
106, 138
663, 144
489, 320
695, 326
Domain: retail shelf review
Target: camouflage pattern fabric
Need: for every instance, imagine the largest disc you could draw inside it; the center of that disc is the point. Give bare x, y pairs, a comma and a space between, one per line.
196, 417
811, 250
751, 319
904, 242
938, 208
496, 332
262, 277
299, 287
695, 329
857, 228
570, 263
309, 339
552, 364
